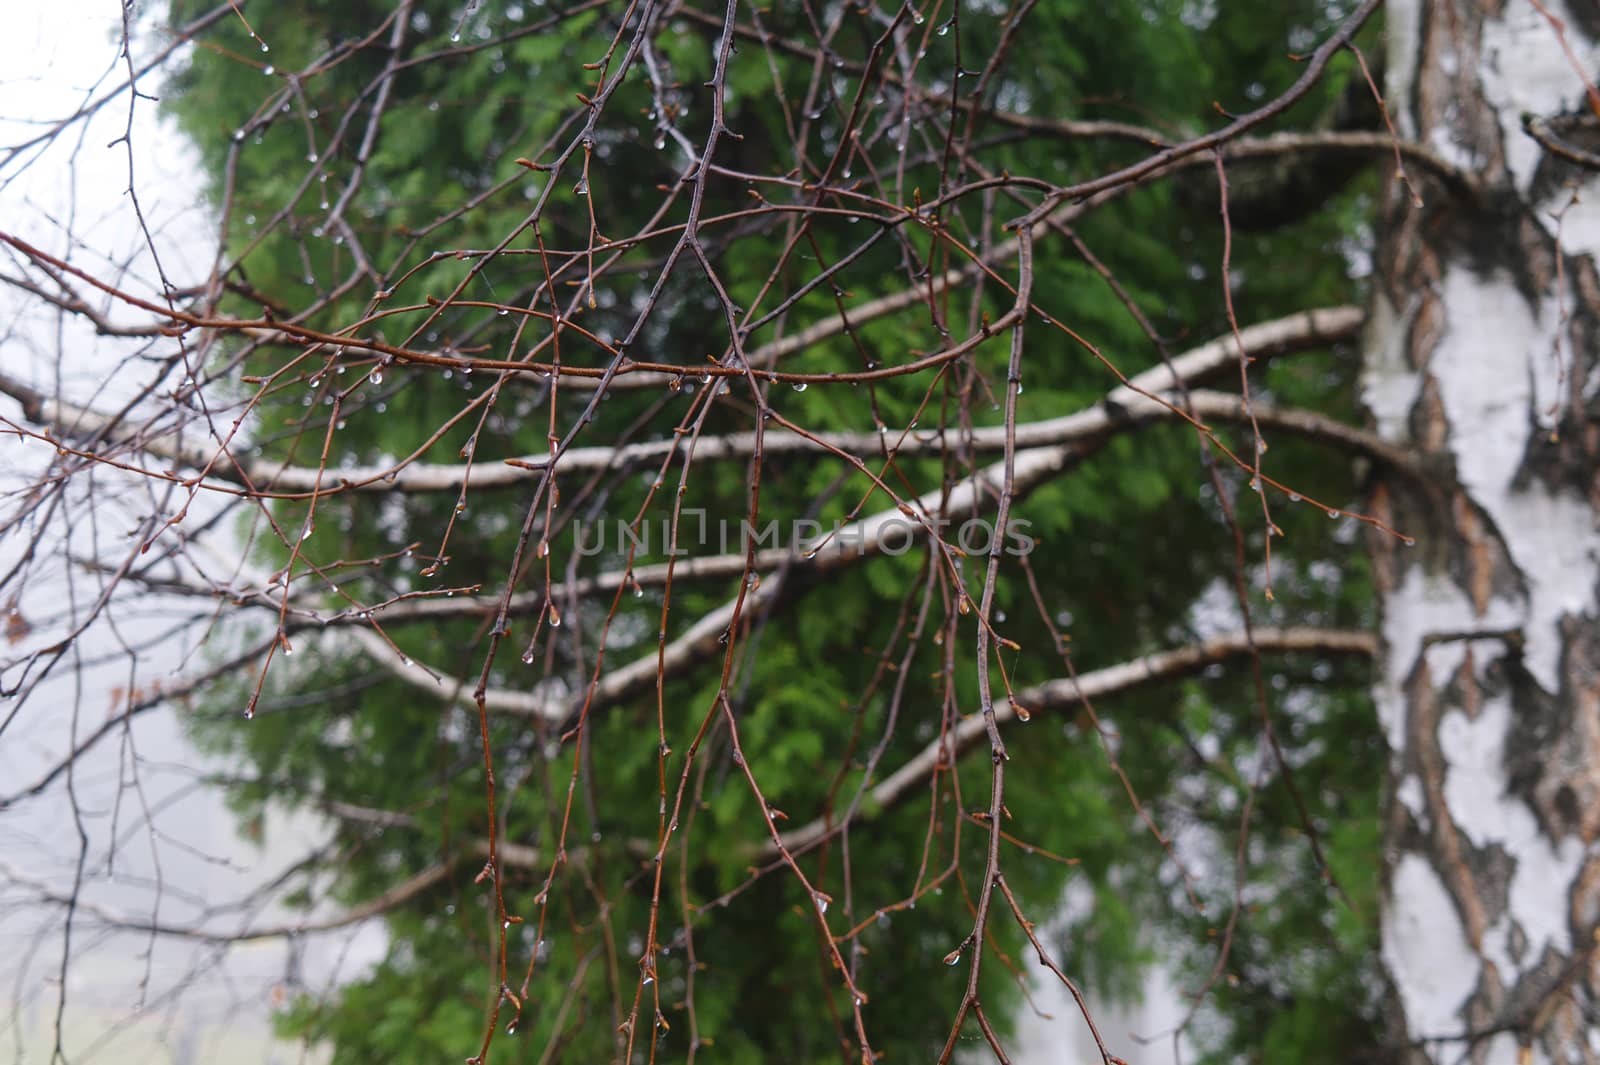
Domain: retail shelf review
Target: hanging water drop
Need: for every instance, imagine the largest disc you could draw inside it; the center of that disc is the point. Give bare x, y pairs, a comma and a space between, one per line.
799, 386
582, 187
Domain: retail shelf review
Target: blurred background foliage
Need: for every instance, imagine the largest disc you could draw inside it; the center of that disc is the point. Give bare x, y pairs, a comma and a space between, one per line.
1135, 553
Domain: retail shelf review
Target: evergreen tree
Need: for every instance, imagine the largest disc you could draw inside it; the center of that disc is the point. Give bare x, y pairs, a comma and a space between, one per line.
519, 274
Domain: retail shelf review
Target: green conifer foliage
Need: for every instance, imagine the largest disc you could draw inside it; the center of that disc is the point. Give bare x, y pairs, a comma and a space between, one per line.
510, 184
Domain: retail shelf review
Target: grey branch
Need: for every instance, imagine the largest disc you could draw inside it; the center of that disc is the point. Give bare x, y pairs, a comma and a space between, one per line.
1065, 692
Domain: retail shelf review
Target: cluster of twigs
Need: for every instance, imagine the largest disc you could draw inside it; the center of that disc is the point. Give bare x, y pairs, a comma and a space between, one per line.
180, 434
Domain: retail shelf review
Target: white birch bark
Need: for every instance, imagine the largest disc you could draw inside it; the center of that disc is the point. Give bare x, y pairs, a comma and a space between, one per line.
1481, 360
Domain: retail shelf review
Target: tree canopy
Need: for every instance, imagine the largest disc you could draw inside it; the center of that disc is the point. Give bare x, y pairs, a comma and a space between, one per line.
603, 188
765, 526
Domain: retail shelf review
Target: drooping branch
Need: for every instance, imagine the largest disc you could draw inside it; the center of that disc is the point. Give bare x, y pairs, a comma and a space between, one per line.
1262, 341
1060, 694
394, 897
941, 754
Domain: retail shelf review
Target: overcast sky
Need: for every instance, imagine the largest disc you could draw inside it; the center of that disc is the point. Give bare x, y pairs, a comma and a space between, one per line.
129, 1000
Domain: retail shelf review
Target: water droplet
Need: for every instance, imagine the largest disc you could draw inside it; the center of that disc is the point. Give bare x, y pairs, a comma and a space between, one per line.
264, 47
821, 901
1335, 515
1294, 497
945, 28
1023, 713
555, 617
455, 38
269, 70
311, 157
376, 377
799, 386
238, 135
582, 187
954, 957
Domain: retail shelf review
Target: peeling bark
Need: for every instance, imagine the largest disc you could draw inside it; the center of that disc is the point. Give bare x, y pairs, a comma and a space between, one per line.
1482, 361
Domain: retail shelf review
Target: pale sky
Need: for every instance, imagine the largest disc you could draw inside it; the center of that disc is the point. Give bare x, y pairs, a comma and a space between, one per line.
70, 198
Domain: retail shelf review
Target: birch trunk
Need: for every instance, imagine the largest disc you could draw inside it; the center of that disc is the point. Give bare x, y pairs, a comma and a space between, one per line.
1481, 359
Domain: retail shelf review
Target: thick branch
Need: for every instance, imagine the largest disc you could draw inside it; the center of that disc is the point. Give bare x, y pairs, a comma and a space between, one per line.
1267, 339
1060, 694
